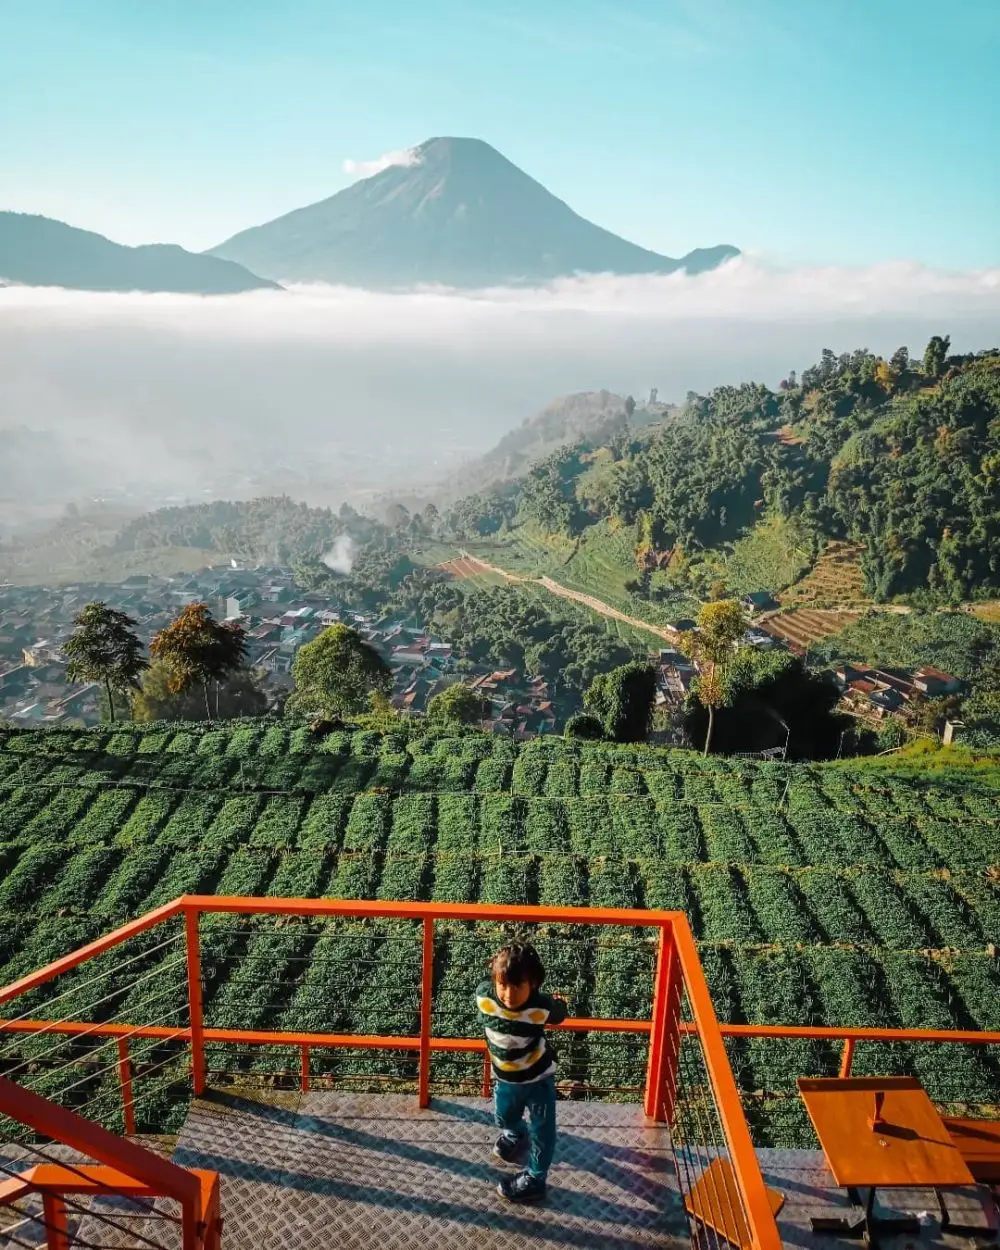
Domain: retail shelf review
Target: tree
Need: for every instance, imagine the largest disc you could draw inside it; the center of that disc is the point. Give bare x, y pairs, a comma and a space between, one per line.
892, 734
336, 673
720, 627
198, 649
458, 705
623, 701
935, 355
584, 726
237, 695
104, 648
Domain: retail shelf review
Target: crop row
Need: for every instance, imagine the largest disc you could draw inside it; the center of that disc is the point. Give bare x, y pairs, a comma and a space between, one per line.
636, 825
747, 906
278, 758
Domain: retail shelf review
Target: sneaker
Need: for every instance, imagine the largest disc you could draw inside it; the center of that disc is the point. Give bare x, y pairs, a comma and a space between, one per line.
521, 1188
508, 1149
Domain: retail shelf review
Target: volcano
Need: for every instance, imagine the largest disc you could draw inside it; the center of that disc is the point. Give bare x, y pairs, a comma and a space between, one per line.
459, 214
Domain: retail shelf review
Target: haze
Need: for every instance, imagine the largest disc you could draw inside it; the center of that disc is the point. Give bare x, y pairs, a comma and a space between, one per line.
331, 393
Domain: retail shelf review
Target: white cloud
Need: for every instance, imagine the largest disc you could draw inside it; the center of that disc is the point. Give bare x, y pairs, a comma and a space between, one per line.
355, 390
368, 169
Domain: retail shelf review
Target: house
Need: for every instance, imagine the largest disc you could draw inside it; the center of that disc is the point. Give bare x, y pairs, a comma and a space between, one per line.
934, 683
668, 655
408, 656
846, 674
758, 601
884, 701
236, 604
759, 638
41, 653
682, 626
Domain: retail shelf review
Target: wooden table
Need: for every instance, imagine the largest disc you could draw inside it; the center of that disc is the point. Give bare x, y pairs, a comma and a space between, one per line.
908, 1148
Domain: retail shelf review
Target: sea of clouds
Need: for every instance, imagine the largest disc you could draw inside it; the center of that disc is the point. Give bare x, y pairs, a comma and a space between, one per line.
376, 389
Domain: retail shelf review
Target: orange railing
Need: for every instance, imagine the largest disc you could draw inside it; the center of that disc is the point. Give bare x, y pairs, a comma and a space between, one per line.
682, 1023
123, 1170
682, 1007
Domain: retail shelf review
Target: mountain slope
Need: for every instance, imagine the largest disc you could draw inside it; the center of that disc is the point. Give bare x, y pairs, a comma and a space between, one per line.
460, 214
592, 416
37, 251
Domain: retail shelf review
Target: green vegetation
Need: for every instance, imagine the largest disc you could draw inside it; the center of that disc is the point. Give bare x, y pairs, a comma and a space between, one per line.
622, 700
721, 625
506, 627
459, 705
774, 554
105, 648
745, 487
337, 674
853, 894
956, 642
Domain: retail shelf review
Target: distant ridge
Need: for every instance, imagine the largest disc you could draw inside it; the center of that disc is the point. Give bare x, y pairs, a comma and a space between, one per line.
459, 214
38, 251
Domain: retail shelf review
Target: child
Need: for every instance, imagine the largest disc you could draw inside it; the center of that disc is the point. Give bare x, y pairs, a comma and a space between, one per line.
515, 1014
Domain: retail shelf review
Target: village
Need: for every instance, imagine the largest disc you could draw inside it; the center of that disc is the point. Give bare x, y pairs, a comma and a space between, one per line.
36, 621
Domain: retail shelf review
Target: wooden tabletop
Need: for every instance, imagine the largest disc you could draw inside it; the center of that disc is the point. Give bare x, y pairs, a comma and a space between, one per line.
912, 1148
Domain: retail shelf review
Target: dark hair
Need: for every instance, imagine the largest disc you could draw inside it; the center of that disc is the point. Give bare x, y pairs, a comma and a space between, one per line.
516, 963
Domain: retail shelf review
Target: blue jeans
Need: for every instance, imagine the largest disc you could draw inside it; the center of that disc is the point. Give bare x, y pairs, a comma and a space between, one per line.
538, 1098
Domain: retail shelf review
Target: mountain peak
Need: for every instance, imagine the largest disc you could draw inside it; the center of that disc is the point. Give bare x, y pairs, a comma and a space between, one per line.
459, 214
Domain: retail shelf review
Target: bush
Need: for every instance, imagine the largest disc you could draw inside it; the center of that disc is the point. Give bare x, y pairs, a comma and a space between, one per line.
892, 734
583, 725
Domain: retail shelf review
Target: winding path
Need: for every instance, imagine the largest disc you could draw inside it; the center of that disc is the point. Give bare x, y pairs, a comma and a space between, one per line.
588, 601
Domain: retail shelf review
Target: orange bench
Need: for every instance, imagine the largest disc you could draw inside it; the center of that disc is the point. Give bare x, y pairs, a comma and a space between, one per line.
978, 1142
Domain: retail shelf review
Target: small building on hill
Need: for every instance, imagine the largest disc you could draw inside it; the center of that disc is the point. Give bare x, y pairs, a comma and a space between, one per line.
933, 682
758, 601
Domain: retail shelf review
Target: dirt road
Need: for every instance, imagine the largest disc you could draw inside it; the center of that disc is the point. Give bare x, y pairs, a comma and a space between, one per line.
564, 592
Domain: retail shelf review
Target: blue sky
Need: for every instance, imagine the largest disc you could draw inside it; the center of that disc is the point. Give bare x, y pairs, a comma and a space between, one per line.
809, 131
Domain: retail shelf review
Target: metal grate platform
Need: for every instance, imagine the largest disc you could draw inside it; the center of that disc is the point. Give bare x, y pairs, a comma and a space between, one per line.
322, 1169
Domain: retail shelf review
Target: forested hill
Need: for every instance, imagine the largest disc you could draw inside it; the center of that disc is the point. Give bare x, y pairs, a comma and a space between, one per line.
272, 530
901, 456
592, 416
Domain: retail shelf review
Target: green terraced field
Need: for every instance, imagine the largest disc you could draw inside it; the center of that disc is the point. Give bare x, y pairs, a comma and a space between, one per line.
819, 894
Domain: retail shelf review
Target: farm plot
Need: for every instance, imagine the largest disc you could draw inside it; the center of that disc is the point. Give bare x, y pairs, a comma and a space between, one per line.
799, 628
816, 893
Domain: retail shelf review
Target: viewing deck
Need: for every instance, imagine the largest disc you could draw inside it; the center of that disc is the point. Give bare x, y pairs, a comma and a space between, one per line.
286, 1145
321, 1169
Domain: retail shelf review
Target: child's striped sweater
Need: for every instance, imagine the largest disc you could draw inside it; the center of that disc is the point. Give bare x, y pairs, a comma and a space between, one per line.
516, 1039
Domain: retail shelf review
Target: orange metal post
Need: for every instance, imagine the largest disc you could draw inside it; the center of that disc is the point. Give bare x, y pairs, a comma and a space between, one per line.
191, 916
760, 1217
426, 1003
664, 1055
664, 1038
847, 1057
56, 1223
125, 1081
304, 1080
652, 1102
487, 1076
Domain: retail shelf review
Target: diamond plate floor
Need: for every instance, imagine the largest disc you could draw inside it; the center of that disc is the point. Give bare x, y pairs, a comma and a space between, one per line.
322, 1169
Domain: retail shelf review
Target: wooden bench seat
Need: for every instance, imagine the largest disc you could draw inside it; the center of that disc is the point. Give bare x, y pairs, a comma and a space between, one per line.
715, 1201
978, 1142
